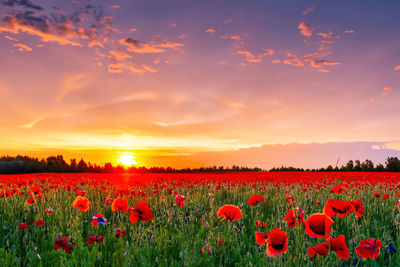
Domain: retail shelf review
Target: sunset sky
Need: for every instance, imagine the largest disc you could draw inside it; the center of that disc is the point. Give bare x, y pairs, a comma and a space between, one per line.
194, 83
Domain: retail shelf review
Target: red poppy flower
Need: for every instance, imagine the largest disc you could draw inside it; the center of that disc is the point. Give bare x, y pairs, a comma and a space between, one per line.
49, 210
369, 248
337, 244
229, 212
261, 238
23, 225
377, 194
294, 217
317, 203
98, 218
30, 200
141, 212
338, 189
260, 224
290, 200
95, 238
39, 222
385, 196
120, 204
109, 201
219, 241
318, 225
80, 192
81, 203
119, 233
339, 207
276, 242
255, 199
63, 243
359, 208
179, 200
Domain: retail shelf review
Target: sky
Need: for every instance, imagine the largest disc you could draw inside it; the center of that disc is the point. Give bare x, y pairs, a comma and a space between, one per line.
198, 83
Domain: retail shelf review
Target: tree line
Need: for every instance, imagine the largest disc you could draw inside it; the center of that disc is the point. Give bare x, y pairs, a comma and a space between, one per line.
392, 164
26, 164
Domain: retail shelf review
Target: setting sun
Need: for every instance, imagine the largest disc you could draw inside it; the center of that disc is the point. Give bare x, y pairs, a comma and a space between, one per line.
127, 159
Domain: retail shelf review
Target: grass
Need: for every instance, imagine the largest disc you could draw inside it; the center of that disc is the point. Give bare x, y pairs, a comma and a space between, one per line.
176, 236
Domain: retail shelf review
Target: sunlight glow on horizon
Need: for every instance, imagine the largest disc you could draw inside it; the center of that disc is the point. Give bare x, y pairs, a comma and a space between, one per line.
127, 159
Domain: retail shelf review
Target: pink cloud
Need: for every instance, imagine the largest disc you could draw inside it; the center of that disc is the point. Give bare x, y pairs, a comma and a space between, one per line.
305, 29
308, 10
386, 91
328, 35
228, 21
293, 60
349, 31
14, 25
397, 67
10, 38
371, 99
119, 55
250, 57
149, 47
23, 47
319, 63
210, 30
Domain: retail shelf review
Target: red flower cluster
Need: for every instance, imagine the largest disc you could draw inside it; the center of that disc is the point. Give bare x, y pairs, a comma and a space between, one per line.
294, 217
64, 244
95, 238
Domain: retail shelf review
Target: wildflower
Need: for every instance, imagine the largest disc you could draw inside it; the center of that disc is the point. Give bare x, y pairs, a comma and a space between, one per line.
22, 225
229, 212
260, 224
369, 248
98, 218
120, 204
261, 238
179, 200
318, 225
141, 212
109, 201
337, 244
95, 238
39, 222
377, 194
294, 217
255, 199
338, 189
63, 243
119, 233
339, 207
390, 248
219, 241
81, 203
276, 242
359, 208
49, 210
385, 196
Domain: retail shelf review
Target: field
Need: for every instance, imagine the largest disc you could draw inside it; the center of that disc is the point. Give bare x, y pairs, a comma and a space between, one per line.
47, 220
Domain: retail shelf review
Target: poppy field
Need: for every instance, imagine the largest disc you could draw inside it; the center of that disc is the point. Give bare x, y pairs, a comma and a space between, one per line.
204, 219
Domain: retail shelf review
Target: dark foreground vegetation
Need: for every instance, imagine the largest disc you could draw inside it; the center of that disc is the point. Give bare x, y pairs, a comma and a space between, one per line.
26, 164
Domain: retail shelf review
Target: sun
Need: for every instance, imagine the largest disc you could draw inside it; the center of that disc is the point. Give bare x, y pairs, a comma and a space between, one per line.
127, 159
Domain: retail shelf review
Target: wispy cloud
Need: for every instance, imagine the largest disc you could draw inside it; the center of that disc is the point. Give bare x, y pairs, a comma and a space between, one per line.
250, 57
308, 10
386, 91
23, 47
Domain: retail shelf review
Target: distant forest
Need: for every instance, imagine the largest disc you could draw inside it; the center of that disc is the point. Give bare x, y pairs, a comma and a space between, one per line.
26, 164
